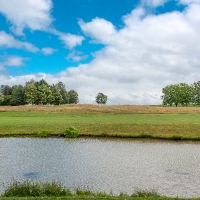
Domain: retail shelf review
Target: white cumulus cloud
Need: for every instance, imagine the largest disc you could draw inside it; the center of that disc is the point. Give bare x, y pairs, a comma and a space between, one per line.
153, 3
99, 29
148, 53
33, 14
189, 1
71, 40
8, 41
11, 61
48, 51
76, 56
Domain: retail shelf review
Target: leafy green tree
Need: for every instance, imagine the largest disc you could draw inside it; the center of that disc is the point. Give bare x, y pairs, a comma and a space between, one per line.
177, 94
63, 92
30, 93
172, 95
17, 95
44, 94
6, 90
32, 81
101, 98
181, 93
73, 97
167, 96
1, 97
57, 97
6, 100
195, 87
41, 82
186, 94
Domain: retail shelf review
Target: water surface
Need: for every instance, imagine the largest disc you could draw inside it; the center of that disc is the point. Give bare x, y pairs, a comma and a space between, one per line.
117, 165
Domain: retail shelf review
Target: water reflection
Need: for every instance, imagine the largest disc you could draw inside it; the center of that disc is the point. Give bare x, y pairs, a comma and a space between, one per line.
171, 168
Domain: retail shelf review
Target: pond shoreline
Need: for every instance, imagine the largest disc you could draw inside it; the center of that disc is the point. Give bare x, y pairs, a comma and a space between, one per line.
105, 135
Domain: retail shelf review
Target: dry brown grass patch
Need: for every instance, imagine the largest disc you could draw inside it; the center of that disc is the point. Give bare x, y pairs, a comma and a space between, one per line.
95, 109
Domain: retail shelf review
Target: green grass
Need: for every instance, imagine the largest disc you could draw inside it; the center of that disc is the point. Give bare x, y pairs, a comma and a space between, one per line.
94, 123
89, 197
54, 190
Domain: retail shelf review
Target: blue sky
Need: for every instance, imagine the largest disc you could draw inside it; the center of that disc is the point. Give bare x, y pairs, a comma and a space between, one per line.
126, 49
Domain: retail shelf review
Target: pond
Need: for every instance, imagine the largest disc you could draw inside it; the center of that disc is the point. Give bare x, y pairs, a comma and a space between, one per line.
110, 165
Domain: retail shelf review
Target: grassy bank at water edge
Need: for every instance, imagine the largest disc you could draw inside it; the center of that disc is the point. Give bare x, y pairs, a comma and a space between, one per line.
54, 190
111, 121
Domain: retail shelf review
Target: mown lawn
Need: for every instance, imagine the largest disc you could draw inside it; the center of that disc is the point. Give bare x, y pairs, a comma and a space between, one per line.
101, 121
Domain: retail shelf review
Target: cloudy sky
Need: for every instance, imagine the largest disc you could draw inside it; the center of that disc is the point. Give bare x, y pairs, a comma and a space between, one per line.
127, 49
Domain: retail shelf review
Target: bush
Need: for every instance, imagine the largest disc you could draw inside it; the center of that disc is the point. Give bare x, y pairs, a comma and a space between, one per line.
71, 132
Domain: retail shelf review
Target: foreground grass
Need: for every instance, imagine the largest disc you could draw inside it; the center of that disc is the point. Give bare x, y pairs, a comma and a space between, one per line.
91, 197
111, 121
54, 190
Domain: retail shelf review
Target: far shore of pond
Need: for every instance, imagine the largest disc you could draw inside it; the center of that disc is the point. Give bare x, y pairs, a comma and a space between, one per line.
125, 121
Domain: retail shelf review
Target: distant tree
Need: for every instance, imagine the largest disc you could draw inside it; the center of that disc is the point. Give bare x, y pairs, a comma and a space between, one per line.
6, 100
63, 92
30, 91
57, 97
101, 98
168, 95
44, 94
42, 82
6, 90
39, 83
172, 95
1, 97
176, 94
73, 97
32, 81
195, 87
186, 94
17, 95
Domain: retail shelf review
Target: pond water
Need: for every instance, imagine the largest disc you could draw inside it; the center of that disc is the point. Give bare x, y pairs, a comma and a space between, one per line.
110, 165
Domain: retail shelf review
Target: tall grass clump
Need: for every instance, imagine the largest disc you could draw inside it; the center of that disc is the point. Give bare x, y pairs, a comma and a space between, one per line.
71, 132
81, 192
29, 189
43, 133
145, 194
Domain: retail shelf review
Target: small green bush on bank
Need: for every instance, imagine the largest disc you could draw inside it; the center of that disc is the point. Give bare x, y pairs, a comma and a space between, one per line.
71, 132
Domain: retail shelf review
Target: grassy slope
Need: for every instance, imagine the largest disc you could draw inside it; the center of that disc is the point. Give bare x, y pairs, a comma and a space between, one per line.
102, 120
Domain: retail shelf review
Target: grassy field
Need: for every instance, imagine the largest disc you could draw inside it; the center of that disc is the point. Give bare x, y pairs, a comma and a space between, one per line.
93, 120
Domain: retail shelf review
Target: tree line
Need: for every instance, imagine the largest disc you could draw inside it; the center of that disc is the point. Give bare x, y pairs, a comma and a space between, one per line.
181, 94
37, 92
